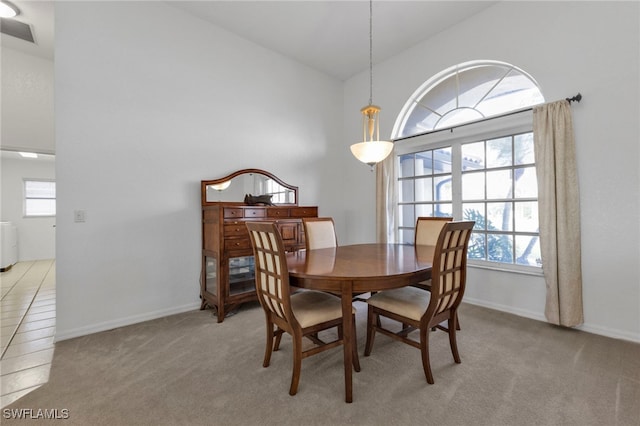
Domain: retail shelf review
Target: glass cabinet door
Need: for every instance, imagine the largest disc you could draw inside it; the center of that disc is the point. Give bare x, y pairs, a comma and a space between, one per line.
241, 275
211, 275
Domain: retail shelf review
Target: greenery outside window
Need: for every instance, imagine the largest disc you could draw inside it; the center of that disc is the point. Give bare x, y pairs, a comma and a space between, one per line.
499, 192
39, 198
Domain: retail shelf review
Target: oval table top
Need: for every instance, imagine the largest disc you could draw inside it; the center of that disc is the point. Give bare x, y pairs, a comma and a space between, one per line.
370, 267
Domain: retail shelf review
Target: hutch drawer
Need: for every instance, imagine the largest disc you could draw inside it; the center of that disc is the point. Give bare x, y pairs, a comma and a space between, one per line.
235, 229
233, 213
278, 212
304, 212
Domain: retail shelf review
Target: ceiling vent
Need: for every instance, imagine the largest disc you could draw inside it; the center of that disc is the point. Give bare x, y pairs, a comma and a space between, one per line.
16, 29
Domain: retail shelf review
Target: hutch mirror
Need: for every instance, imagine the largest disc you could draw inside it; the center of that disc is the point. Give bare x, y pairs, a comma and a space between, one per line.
232, 188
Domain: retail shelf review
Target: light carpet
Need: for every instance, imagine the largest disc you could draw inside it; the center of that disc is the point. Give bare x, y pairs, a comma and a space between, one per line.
188, 370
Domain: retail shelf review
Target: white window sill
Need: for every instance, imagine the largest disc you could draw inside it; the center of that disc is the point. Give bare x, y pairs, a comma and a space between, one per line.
504, 267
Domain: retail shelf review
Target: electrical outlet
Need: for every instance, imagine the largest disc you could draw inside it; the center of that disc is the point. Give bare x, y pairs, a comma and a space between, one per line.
78, 215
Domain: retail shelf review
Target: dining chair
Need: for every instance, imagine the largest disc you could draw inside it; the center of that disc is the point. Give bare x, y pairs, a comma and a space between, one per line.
303, 314
319, 232
421, 310
426, 233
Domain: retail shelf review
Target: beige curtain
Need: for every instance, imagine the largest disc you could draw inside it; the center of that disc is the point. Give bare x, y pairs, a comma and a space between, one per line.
559, 212
385, 199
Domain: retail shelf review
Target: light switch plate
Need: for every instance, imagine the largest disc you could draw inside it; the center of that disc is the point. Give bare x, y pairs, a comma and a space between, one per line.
78, 215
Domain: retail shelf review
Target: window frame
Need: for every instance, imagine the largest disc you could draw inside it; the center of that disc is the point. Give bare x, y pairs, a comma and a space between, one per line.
510, 124
25, 198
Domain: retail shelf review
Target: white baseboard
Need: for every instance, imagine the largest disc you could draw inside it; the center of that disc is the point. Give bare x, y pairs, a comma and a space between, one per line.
610, 332
121, 322
505, 308
588, 328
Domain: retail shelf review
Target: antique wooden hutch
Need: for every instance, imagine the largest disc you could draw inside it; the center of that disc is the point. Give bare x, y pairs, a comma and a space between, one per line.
227, 278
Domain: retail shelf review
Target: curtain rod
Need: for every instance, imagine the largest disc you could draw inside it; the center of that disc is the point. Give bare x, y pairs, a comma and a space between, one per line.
576, 98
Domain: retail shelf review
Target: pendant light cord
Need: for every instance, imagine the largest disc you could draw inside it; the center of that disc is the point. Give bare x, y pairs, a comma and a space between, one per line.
370, 52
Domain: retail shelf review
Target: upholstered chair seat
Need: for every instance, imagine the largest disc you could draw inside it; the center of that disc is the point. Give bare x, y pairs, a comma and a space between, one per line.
314, 307
410, 302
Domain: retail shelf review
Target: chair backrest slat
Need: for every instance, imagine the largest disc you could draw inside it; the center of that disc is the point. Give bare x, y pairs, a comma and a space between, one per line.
448, 276
272, 275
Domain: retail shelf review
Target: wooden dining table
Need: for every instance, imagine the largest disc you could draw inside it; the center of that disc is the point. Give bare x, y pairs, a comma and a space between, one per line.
355, 269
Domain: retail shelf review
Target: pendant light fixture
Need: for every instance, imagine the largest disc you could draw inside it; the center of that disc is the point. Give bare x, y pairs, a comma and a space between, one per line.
8, 10
371, 150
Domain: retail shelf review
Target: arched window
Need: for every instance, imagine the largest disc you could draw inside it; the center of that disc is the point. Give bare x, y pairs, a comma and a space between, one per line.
466, 92
483, 172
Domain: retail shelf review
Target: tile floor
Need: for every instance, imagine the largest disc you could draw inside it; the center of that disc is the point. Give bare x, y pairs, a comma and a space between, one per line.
28, 323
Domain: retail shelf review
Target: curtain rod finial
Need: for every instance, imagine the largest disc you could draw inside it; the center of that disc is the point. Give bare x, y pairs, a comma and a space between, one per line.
576, 98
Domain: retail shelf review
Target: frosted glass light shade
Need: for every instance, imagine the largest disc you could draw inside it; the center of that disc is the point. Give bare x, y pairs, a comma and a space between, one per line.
371, 152
7, 10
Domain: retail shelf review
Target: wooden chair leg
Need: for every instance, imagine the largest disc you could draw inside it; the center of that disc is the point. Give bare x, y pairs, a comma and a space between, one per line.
457, 321
371, 330
452, 340
276, 344
354, 347
424, 349
297, 364
269, 345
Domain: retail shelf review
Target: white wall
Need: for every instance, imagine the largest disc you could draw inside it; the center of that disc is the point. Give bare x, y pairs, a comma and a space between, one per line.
27, 125
569, 47
149, 101
36, 235
27, 102
143, 113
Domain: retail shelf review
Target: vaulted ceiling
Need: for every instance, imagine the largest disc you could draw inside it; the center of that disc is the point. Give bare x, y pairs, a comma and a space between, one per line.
330, 36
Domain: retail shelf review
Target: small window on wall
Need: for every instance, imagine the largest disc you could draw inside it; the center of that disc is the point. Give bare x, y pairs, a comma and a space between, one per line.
39, 198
